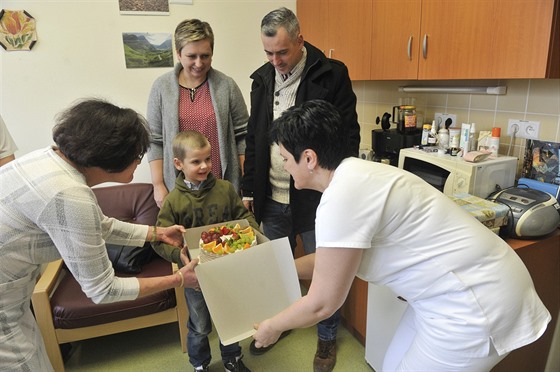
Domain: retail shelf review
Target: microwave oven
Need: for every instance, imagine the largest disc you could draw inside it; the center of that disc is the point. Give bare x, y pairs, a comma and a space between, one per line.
453, 175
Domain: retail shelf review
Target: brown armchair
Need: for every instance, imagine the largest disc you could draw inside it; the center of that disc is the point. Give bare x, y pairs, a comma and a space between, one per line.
64, 313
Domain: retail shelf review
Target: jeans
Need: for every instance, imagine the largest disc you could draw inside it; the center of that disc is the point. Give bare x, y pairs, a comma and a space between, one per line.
200, 326
277, 223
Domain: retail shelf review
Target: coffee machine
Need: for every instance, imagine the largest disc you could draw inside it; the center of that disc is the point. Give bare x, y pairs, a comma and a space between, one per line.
386, 143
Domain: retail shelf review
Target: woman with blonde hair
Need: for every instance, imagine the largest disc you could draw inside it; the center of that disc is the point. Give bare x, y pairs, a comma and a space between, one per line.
197, 97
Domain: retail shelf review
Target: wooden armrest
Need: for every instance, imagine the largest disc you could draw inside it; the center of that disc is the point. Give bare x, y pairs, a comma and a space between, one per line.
43, 313
49, 278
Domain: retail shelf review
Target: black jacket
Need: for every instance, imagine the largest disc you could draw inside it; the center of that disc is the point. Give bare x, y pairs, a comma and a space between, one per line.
322, 78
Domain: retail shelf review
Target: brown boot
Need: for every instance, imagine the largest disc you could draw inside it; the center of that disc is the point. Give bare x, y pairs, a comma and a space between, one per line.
325, 357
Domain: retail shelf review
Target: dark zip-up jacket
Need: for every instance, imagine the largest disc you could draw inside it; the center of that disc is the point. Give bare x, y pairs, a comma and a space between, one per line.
322, 78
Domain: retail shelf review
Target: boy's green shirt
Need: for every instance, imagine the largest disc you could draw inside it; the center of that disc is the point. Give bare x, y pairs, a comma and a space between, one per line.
215, 202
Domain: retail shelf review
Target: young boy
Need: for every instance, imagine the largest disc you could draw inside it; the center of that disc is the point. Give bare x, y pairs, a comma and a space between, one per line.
200, 199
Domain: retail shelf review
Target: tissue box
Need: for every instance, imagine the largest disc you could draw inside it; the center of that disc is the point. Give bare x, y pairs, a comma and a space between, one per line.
492, 215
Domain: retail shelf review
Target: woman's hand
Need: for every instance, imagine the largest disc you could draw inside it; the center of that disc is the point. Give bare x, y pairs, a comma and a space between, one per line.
266, 335
172, 235
160, 192
189, 276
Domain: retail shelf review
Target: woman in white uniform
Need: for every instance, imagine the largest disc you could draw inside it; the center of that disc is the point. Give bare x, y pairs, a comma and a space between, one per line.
7, 145
48, 211
471, 299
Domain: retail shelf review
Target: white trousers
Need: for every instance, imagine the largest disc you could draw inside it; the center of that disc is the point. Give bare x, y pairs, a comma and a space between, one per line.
409, 351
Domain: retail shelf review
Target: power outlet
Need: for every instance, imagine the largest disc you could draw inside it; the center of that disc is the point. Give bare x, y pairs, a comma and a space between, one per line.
523, 129
442, 118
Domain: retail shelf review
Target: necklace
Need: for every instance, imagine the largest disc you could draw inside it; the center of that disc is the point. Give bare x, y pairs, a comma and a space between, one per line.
192, 91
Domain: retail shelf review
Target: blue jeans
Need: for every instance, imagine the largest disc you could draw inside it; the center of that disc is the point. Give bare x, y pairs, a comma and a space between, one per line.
277, 223
200, 326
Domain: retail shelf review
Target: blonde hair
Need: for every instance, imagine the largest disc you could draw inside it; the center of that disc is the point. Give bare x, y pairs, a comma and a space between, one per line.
191, 30
188, 140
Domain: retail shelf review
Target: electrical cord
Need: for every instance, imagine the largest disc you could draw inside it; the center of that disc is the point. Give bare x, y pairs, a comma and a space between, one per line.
515, 130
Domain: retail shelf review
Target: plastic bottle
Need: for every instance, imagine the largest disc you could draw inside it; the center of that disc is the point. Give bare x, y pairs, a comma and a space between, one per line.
472, 138
432, 136
443, 139
425, 134
495, 141
454, 138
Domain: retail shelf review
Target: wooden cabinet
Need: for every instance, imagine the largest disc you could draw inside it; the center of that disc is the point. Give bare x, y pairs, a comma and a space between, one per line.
542, 258
474, 39
395, 39
437, 39
337, 28
354, 310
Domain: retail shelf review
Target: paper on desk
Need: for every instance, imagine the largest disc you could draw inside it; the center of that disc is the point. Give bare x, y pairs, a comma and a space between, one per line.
248, 287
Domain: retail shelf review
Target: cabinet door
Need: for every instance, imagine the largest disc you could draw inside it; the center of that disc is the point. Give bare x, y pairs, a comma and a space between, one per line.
313, 21
341, 29
349, 37
485, 39
395, 39
456, 39
521, 38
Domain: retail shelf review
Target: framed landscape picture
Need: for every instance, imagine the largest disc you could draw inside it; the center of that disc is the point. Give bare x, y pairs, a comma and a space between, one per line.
145, 50
144, 7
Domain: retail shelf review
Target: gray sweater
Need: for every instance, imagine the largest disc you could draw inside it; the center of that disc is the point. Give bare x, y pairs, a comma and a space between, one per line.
231, 117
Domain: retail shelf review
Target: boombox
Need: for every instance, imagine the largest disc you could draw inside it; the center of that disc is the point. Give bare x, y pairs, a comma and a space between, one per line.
535, 213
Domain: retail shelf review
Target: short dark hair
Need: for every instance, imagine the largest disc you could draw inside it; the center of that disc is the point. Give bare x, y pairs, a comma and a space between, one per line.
315, 125
96, 133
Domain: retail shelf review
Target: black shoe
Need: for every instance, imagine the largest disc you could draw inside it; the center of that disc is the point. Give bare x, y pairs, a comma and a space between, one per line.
236, 365
201, 369
261, 350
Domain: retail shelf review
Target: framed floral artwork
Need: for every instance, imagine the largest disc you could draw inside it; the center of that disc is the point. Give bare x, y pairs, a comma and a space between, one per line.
17, 30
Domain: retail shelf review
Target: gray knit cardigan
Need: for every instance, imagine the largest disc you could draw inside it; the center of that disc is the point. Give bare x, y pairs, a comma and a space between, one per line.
231, 117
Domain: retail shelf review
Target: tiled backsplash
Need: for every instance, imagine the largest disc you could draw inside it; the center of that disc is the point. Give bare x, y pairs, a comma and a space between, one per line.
537, 100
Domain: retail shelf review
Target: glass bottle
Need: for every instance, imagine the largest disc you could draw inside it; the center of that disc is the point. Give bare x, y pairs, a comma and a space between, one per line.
409, 115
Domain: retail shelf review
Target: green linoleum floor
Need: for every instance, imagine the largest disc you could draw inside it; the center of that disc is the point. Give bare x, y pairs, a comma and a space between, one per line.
159, 349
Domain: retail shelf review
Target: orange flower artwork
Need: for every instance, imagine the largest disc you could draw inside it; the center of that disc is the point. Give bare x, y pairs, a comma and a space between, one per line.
17, 30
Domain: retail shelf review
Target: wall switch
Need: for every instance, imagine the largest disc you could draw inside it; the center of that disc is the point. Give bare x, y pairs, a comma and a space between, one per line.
523, 129
442, 118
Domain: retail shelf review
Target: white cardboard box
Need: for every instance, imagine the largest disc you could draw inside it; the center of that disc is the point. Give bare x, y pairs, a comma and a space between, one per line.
246, 287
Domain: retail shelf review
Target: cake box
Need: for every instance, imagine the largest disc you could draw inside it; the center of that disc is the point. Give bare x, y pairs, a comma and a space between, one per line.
248, 286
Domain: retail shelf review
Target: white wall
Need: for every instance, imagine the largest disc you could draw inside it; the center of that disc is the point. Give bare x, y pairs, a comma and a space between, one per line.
79, 53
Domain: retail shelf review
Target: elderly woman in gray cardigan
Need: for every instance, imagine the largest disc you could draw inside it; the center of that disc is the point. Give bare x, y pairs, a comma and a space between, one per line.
195, 96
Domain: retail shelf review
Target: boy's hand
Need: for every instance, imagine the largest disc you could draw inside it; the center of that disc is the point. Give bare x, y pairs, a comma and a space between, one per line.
190, 279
